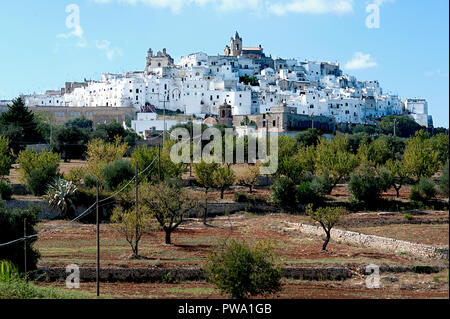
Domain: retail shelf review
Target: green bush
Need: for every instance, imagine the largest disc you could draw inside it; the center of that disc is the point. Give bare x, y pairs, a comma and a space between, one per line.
116, 173
444, 182
366, 185
307, 194
242, 271
22, 289
11, 228
8, 271
38, 170
38, 180
5, 156
89, 181
322, 183
408, 216
424, 190
240, 197
6, 190
284, 192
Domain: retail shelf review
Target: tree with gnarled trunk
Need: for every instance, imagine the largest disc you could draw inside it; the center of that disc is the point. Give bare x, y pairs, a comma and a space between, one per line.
168, 204
327, 217
400, 174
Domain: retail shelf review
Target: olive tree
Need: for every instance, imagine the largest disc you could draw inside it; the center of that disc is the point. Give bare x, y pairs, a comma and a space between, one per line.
327, 217
223, 178
249, 177
132, 224
169, 204
399, 173
334, 156
421, 157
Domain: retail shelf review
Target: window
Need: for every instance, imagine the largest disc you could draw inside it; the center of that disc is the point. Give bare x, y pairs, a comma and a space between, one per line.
137, 90
274, 123
264, 123
137, 98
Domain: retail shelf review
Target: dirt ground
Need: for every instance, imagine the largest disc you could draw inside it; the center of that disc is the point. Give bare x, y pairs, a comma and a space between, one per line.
191, 243
392, 286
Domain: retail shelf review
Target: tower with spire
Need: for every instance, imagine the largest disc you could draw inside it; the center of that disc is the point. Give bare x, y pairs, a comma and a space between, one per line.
235, 47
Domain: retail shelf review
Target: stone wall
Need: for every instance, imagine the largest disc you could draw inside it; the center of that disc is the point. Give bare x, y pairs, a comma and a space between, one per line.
192, 274
372, 241
182, 274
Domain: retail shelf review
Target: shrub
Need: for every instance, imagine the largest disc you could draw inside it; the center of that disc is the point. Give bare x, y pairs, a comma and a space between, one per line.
60, 196
414, 195
38, 170
322, 183
408, 216
11, 228
366, 186
444, 182
242, 271
116, 173
240, 197
5, 156
6, 190
75, 175
8, 271
38, 180
423, 191
89, 181
284, 192
307, 194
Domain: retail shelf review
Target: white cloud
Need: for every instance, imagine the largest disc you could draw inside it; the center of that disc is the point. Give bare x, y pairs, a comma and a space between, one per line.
312, 7
111, 52
280, 7
360, 61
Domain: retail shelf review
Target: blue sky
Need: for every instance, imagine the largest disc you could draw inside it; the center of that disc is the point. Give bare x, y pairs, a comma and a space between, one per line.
408, 53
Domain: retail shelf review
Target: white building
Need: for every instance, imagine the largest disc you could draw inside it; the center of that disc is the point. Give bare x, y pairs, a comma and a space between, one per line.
199, 83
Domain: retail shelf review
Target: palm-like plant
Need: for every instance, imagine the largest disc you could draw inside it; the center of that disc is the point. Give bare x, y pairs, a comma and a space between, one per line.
59, 196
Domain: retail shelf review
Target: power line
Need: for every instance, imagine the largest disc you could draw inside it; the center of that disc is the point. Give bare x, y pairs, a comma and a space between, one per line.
85, 213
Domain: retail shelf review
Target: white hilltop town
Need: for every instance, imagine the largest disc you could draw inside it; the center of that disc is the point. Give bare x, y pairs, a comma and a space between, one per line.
238, 87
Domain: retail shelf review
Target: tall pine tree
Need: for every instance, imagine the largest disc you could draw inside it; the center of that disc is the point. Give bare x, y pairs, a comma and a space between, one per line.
20, 125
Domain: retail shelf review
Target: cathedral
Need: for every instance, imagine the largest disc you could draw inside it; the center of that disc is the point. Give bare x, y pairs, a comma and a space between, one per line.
236, 49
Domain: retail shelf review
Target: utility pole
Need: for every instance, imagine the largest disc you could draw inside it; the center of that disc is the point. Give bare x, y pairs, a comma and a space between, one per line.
159, 162
25, 244
136, 204
164, 118
98, 243
191, 146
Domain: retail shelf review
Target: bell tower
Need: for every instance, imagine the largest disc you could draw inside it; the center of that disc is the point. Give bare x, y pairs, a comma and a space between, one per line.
236, 45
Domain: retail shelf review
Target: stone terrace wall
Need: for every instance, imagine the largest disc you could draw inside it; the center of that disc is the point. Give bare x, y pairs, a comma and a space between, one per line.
372, 241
